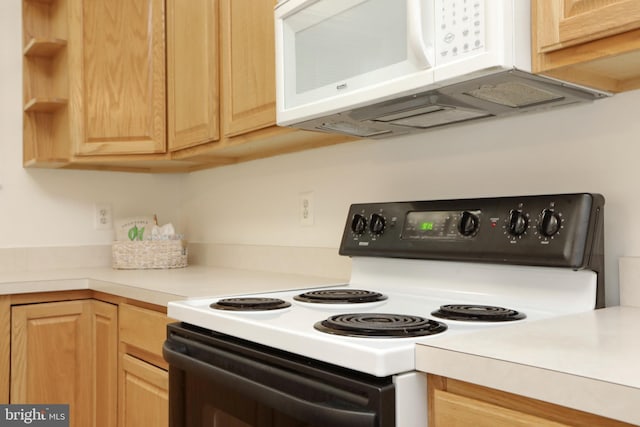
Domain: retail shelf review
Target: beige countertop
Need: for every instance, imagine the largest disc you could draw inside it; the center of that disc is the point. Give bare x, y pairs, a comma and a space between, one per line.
158, 286
588, 361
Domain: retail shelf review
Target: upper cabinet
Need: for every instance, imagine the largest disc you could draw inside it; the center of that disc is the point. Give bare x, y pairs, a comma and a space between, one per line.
152, 85
45, 81
192, 73
117, 69
590, 42
248, 60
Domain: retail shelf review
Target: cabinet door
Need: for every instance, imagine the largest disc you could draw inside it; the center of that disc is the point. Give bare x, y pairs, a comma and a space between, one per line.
117, 55
563, 23
144, 397
453, 410
248, 65
104, 363
192, 72
66, 353
457, 403
5, 348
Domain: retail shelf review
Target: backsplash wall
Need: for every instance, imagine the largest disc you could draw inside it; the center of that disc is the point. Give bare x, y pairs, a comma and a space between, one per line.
589, 148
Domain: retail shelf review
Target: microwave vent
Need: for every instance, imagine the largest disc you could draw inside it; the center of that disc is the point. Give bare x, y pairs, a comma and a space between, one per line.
410, 112
514, 94
439, 117
353, 128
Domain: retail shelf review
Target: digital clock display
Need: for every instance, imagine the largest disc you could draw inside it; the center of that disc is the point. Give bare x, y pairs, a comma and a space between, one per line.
433, 225
426, 226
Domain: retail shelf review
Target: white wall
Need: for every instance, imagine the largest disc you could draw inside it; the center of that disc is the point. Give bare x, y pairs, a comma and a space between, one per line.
55, 207
591, 148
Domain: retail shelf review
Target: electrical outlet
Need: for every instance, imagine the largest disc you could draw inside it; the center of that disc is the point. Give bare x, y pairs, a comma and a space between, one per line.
103, 220
306, 208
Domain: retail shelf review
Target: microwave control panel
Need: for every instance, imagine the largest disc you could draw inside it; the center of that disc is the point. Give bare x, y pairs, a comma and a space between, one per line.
460, 29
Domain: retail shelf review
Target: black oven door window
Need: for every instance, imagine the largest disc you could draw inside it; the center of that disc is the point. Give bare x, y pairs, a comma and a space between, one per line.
219, 381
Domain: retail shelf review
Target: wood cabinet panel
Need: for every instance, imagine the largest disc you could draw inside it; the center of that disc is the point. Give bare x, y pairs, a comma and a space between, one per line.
248, 65
104, 320
5, 348
64, 352
127, 85
589, 42
119, 100
143, 331
570, 22
455, 403
192, 72
456, 411
45, 83
144, 397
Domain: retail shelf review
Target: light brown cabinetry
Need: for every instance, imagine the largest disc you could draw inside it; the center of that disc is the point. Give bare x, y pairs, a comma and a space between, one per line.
65, 352
143, 397
5, 348
94, 85
454, 403
192, 73
117, 76
99, 353
590, 42
144, 394
45, 82
152, 85
248, 61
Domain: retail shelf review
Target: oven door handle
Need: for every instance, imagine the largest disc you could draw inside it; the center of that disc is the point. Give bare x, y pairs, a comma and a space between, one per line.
175, 354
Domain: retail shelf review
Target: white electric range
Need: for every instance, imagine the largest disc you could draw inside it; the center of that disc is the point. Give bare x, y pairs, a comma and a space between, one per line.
421, 270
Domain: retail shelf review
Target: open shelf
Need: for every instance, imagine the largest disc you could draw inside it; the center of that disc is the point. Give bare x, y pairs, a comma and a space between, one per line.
42, 47
45, 72
44, 105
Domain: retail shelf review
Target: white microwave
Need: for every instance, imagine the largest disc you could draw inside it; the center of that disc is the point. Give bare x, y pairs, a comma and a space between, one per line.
379, 68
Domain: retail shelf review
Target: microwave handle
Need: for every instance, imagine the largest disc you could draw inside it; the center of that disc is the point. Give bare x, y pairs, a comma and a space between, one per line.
415, 35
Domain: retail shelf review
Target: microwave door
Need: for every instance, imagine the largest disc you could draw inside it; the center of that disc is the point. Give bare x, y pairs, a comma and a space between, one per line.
336, 54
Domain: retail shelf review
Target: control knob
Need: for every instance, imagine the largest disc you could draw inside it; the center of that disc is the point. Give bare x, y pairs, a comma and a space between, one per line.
468, 223
376, 224
518, 222
358, 224
549, 222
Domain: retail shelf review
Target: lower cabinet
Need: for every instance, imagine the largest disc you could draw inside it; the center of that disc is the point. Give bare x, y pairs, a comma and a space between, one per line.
144, 393
102, 358
143, 385
454, 403
65, 353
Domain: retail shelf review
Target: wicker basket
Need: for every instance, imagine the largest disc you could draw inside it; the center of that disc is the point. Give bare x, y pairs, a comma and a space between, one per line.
149, 254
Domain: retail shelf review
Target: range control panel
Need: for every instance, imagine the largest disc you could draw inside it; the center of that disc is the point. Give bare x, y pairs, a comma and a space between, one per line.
564, 230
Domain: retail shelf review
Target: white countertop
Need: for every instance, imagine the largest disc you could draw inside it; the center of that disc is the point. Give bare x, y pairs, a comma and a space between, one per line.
158, 286
588, 361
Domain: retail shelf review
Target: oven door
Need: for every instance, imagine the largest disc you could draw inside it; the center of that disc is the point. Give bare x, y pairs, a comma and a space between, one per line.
216, 380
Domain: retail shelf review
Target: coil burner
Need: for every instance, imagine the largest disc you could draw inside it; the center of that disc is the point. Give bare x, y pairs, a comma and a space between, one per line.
380, 325
477, 313
340, 296
250, 304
